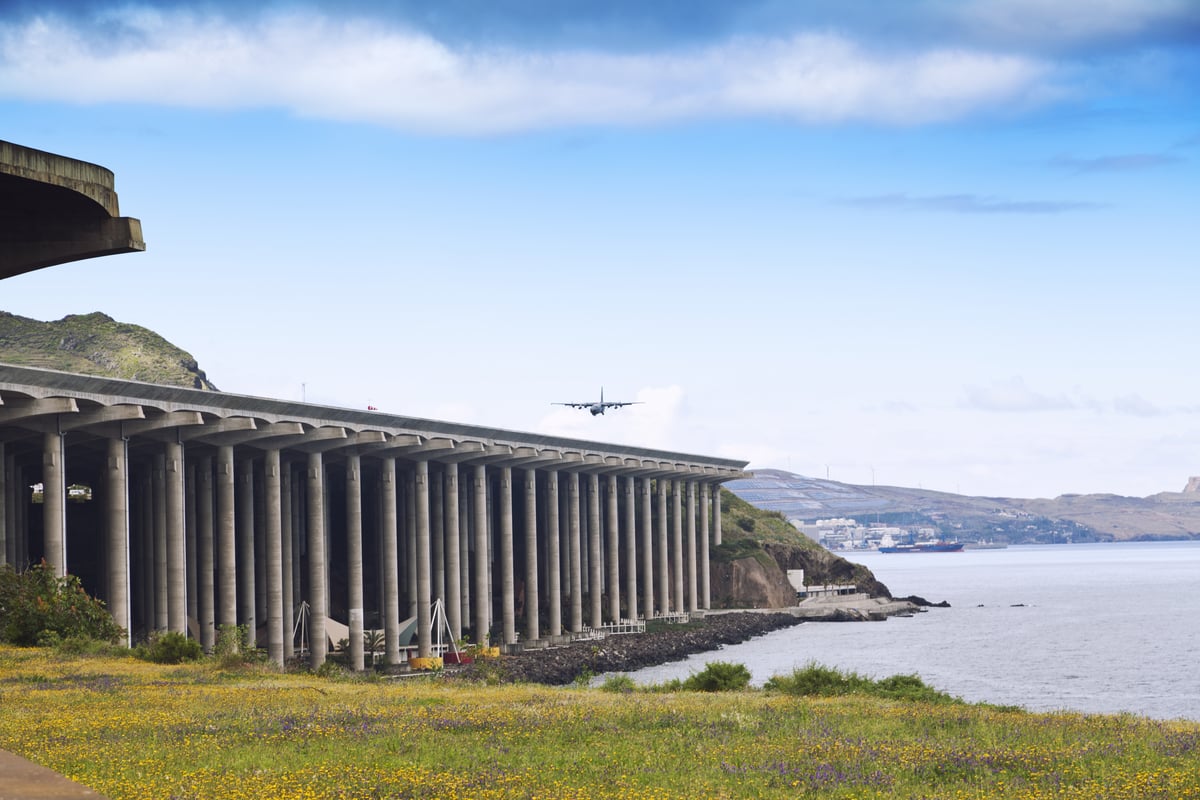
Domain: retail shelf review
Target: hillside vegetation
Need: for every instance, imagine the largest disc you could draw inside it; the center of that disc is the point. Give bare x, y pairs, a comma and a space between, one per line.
96, 344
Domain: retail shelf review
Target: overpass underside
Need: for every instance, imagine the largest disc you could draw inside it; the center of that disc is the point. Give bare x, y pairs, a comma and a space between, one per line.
55, 209
188, 510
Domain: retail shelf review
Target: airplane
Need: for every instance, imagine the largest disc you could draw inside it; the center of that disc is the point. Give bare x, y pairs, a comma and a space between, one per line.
601, 406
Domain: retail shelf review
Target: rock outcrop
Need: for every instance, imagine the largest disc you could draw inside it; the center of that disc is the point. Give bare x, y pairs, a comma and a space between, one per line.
1193, 485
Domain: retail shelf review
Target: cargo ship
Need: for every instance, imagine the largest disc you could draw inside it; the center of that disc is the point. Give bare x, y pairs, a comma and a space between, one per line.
886, 545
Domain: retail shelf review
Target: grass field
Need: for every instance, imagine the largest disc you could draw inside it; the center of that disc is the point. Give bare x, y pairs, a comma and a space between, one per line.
131, 729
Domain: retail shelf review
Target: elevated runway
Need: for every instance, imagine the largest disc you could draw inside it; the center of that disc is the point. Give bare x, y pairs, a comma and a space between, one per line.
55, 209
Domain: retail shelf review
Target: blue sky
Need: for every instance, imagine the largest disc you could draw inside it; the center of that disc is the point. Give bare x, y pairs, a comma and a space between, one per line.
940, 244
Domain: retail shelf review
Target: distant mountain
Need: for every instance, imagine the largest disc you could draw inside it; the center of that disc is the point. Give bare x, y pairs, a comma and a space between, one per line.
96, 344
1092, 517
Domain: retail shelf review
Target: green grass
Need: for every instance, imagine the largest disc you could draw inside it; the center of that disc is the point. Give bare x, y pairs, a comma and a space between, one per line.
132, 729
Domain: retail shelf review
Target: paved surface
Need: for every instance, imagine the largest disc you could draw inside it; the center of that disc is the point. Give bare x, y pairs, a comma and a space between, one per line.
23, 780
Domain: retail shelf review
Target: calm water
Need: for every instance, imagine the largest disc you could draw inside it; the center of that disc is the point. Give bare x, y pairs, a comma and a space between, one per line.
1095, 628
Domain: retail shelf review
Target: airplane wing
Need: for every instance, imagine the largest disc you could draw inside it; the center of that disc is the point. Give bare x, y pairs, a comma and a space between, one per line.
618, 405
572, 405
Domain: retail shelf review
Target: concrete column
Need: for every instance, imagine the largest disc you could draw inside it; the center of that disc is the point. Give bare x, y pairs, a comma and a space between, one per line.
631, 597
176, 544
553, 559
693, 583
507, 578
145, 537
464, 557
452, 551
226, 540
573, 545
354, 557
647, 551
318, 597
595, 572
663, 580
277, 628
613, 559
117, 497
677, 546
717, 514
206, 616
532, 633
423, 583
161, 610
410, 542
54, 504
287, 534
189, 533
245, 545
8, 469
391, 562
705, 587
482, 598
4, 512
437, 538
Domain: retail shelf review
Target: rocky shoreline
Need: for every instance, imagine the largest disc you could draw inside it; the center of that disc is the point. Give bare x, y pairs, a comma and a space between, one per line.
564, 665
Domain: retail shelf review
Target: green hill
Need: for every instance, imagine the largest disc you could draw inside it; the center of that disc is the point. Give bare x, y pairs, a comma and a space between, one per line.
96, 344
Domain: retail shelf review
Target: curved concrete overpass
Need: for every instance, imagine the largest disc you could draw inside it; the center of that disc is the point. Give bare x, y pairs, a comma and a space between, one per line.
55, 209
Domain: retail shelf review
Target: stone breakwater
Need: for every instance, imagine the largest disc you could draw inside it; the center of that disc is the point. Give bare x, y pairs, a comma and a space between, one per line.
563, 665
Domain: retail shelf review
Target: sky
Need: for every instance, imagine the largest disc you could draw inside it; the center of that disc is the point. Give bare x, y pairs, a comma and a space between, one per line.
946, 244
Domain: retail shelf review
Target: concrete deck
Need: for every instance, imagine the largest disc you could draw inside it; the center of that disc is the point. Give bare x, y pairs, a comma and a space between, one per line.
21, 779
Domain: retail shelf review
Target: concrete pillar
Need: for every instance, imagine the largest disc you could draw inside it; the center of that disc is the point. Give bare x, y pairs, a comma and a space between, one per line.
717, 514
631, 597
245, 546
423, 583
4, 506
705, 544
318, 597
54, 504
145, 537
277, 628
677, 546
205, 614
189, 534
480, 591
595, 572
647, 550
354, 559
437, 538
8, 469
176, 553
117, 499
693, 584
391, 563
410, 542
464, 557
573, 545
553, 558
161, 610
287, 531
613, 560
663, 580
452, 551
226, 540
532, 632
507, 577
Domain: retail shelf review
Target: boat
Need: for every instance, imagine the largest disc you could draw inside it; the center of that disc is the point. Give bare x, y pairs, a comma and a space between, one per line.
886, 545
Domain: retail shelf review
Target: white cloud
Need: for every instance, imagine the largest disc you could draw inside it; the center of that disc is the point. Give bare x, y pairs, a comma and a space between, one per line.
1013, 396
319, 66
1071, 21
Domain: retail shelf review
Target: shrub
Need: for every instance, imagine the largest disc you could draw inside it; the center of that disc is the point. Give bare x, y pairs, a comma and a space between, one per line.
815, 680
171, 647
35, 603
618, 684
718, 676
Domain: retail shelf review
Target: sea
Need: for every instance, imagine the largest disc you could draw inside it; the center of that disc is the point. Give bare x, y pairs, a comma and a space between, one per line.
1093, 628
